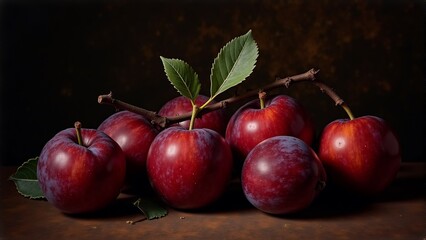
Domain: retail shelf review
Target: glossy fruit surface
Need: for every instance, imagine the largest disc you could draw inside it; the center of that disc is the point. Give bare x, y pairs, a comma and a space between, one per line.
81, 179
282, 175
361, 155
282, 115
134, 134
215, 120
189, 168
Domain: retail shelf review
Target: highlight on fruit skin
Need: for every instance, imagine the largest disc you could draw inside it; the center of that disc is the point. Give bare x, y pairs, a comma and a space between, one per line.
361, 156
281, 115
134, 134
282, 175
189, 169
81, 177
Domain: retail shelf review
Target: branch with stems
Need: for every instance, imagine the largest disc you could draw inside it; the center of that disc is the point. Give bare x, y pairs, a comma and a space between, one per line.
156, 119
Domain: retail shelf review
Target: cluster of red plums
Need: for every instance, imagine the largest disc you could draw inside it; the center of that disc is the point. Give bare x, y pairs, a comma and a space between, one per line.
269, 147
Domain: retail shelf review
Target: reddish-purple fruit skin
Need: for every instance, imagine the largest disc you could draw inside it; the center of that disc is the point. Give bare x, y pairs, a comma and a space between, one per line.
134, 134
215, 120
282, 115
282, 175
360, 155
81, 179
189, 169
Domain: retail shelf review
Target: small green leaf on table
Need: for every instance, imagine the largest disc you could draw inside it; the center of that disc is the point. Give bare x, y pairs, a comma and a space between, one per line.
234, 63
150, 208
182, 76
25, 179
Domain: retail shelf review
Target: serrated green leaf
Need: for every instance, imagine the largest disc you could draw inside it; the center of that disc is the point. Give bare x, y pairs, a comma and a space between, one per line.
150, 208
182, 76
25, 179
234, 63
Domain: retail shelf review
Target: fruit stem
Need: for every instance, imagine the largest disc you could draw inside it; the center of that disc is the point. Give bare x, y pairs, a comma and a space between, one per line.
323, 87
333, 95
195, 111
77, 126
347, 110
163, 122
262, 97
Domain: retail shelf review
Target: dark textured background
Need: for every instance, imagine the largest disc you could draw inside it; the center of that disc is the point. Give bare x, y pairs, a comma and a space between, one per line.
56, 58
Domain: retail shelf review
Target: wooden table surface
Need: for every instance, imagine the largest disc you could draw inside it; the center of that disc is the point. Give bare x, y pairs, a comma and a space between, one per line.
399, 213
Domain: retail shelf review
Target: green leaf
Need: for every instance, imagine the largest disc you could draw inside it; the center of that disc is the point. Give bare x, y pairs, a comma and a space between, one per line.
182, 76
234, 63
150, 208
25, 179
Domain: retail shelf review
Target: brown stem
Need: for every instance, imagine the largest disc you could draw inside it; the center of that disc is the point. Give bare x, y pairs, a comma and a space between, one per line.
327, 90
307, 76
324, 88
262, 97
166, 121
120, 105
333, 95
77, 126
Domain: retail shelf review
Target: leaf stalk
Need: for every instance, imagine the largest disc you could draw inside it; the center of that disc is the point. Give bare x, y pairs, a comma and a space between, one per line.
194, 114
